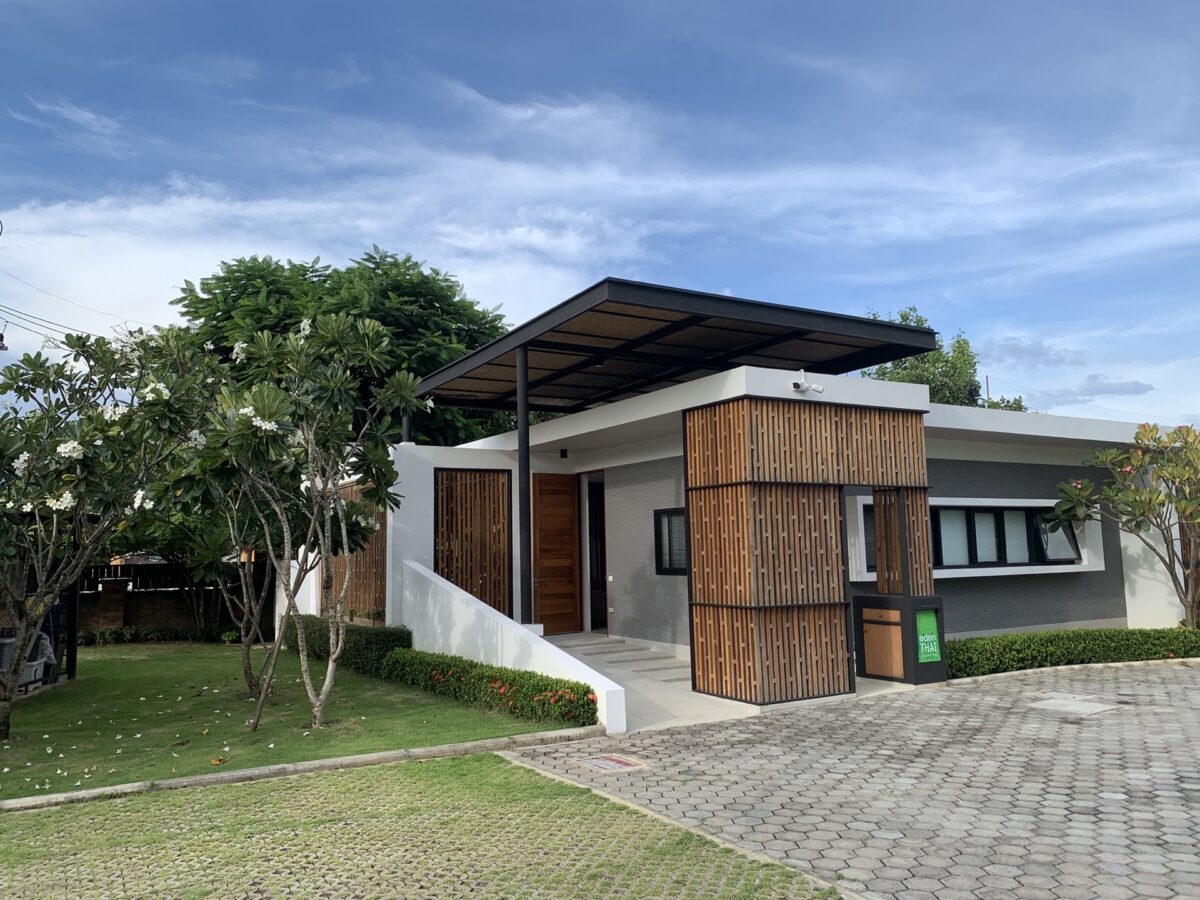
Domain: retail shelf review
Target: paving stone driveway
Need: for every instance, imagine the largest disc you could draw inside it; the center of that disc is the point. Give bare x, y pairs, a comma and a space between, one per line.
1070, 784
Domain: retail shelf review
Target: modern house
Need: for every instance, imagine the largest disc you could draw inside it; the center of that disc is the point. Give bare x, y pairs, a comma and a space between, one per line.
720, 487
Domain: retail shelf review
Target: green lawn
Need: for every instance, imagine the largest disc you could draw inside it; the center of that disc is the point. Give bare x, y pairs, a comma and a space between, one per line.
150, 711
472, 826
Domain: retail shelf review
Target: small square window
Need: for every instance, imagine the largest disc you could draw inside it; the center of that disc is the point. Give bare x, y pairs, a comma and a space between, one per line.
670, 542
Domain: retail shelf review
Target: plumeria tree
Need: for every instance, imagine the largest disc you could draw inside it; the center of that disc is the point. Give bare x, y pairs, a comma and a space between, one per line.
86, 429
318, 413
1150, 490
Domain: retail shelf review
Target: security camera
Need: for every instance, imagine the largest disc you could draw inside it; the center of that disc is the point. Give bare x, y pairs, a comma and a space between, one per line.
803, 386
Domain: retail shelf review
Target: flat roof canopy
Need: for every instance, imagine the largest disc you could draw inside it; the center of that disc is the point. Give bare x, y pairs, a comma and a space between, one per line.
621, 338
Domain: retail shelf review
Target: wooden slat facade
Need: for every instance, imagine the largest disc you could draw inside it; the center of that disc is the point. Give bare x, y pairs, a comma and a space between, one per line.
768, 588
889, 561
473, 534
366, 595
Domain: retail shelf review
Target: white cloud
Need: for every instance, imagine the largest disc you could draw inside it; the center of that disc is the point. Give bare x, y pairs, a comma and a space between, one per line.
84, 128
1028, 352
216, 70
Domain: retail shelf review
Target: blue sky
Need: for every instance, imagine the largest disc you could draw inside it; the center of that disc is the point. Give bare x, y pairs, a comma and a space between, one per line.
1025, 172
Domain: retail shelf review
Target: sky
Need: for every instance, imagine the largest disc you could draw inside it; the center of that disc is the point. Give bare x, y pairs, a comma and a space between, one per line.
1024, 172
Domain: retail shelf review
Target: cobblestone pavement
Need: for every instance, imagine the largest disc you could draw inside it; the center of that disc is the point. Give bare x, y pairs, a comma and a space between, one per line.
468, 827
1071, 784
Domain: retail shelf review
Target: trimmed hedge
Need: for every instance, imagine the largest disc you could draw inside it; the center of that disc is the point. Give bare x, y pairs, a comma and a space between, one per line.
366, 645
527, 695
130, 634
970, 657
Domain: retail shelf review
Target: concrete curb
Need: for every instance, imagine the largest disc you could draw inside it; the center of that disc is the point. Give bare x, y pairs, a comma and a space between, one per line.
285, 770
980, 679
816, 882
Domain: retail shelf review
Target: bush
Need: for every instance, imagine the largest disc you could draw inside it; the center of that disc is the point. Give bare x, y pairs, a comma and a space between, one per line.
129, 634
527, 695
365, 648
1037, 649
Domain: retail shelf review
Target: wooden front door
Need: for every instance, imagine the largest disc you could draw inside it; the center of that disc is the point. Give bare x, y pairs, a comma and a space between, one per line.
556, 597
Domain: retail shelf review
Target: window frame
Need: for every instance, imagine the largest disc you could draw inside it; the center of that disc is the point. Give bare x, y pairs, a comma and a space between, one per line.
1035, 551
659, 516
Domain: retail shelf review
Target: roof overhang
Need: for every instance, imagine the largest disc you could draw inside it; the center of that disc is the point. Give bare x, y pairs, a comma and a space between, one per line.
621, 339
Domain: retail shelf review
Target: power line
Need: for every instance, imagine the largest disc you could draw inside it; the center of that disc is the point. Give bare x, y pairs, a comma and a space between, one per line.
39, 320
103, 312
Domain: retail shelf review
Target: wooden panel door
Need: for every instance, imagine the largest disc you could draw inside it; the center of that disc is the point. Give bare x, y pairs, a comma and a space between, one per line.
556, 597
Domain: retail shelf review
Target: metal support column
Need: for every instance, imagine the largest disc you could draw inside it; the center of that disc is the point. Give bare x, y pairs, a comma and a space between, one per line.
406, 429
524, 489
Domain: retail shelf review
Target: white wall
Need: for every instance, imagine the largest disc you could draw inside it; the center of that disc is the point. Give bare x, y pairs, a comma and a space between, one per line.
446, 619
1150, 600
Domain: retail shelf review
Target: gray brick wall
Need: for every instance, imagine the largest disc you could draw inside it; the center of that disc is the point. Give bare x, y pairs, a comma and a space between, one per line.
645, 605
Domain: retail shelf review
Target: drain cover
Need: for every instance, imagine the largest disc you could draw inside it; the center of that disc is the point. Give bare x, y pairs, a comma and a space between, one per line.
611, 763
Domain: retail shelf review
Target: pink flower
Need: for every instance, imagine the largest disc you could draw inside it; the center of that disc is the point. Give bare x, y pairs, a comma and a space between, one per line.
1076, 484
1127, 470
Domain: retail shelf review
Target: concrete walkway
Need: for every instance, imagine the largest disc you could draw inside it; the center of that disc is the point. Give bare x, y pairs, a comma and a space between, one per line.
1072, 784
658, 685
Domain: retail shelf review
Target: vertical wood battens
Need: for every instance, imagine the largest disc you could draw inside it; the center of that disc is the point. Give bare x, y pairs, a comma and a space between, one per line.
472, 533
765, 527
366, 594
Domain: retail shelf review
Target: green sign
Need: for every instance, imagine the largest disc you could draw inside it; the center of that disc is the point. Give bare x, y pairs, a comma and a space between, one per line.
929, 648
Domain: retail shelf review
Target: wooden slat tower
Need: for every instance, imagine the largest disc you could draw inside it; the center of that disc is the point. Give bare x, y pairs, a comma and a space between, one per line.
768, 580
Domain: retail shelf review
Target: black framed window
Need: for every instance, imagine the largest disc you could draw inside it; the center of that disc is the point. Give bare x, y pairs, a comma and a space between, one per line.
986, 537
670, 542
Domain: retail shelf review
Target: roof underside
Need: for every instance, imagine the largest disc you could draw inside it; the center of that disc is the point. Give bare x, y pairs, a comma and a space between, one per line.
619, 339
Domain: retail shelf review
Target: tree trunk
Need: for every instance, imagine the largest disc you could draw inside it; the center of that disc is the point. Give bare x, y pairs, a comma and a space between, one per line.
5, 718
253, 686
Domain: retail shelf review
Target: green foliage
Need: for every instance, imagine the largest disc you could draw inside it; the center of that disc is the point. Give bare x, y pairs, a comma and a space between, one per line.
971, 657
527, 695
429, 319
1152, 491
131, 634
366, 645
951, 372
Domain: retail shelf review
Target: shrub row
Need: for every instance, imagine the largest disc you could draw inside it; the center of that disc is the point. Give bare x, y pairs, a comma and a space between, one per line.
970, 657
366, 645
527, 695
130, 634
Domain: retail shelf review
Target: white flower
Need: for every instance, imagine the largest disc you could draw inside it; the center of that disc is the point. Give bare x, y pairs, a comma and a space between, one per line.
296, 439
9, 505
208, 346
429, 404
305, 327
239, 351
70, 450
141, 501
26, 507
264, 425
113, 411
195, 439
64, 501
98, 442
246, 411
156, 390
21, 464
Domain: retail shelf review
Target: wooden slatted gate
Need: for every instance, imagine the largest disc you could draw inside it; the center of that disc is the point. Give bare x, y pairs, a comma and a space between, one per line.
769, 601
472, 533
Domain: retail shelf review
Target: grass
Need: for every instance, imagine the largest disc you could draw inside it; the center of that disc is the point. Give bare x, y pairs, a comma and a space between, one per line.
472, 826
141, 712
